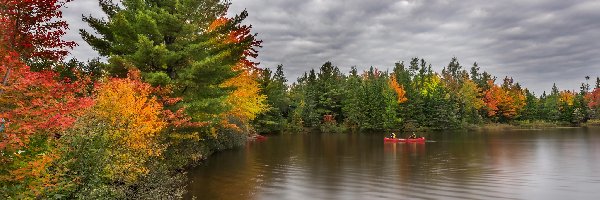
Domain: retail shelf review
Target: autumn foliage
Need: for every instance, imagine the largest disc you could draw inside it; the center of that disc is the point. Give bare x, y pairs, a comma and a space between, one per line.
193, 87
77, 137
127, 104
246, 100
567, 97
504, 102
399, 89
134, 119
36, 108
37, 103
34, 29
593, 98
238, 35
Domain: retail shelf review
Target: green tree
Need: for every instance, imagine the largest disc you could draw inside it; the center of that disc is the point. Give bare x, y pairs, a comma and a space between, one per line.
530, 111
328, 91
550, 109
185, 45
275, 88
352, 106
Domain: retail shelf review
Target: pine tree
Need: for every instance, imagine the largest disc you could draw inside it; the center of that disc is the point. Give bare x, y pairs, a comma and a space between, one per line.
328, 91
186, 45
530, 111
274, 87
551, 107
352, 106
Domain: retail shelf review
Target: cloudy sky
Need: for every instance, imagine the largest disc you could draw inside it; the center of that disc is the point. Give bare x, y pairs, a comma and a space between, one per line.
538, 42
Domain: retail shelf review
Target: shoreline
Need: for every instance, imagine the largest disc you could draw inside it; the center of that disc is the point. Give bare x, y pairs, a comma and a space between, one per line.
516, 125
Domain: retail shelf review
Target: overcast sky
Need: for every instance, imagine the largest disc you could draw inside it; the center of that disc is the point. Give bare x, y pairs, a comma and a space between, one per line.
536, 42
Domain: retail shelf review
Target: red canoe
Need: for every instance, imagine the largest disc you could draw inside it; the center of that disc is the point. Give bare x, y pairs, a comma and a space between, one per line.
257, 138
421, 139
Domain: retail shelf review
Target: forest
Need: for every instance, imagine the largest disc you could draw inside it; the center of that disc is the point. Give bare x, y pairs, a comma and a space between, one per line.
412, 97
179, 81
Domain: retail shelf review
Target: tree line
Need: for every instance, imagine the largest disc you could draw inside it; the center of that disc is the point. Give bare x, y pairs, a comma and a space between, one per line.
413, 97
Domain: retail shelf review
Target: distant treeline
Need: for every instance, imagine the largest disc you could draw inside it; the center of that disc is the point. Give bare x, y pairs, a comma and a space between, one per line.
413, 97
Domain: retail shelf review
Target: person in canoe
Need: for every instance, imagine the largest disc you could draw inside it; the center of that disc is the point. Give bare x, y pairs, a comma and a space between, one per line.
413, 136
393, 135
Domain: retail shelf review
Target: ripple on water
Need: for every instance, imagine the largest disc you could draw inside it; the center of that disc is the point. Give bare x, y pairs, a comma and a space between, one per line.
520, 166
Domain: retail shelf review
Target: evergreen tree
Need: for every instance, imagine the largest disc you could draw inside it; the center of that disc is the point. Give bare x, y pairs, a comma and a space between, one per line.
186, 45
551, 110
475, 75
583, 111
352, 105
406, 77
274, 87
391, 116
328, 91
530, 111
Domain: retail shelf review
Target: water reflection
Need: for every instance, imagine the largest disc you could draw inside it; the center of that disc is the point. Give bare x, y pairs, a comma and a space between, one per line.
548, 164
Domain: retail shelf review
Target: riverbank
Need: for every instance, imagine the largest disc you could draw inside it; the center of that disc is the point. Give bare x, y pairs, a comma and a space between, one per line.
517, 125
591, 123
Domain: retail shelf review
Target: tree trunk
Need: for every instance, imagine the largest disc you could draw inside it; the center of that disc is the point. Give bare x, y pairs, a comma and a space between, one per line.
5, 79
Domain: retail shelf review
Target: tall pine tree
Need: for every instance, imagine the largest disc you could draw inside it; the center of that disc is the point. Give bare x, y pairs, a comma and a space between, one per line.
188, 46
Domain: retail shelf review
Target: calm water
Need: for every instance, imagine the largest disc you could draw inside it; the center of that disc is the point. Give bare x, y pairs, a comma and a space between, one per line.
538, 164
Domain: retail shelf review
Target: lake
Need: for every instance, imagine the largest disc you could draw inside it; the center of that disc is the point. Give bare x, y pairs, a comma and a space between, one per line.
517, 164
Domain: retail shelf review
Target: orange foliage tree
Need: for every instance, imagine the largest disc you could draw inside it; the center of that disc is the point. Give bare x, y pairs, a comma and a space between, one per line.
566, 97
134, 121
505, 102
492, 98
399, 89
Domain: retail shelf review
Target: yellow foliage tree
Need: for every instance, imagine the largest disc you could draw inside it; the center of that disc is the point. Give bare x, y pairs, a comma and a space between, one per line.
246, 100
469, 93
567, 97
133, 117
430, 84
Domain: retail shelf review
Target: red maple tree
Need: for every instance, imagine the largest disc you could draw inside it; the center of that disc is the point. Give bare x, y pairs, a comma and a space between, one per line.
37, 102
593, 98
33, 28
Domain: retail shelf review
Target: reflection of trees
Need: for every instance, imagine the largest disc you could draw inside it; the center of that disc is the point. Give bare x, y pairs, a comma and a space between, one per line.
333, 165
225, 175
456, 162
240, 173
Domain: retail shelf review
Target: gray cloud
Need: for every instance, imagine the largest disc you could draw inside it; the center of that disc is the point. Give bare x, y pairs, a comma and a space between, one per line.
72, 13
536, 42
